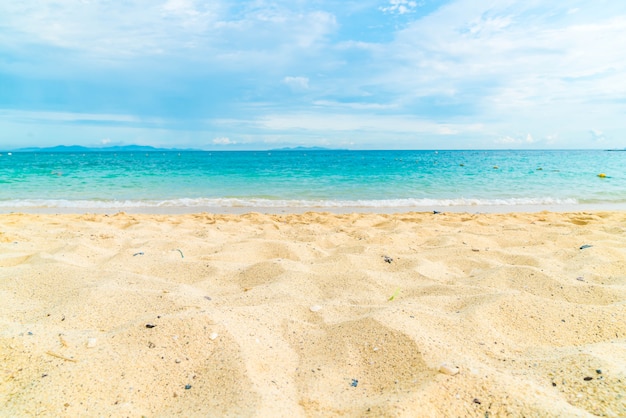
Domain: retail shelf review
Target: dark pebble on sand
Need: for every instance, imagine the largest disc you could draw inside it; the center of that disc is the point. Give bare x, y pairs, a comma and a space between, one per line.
354, 383
598, 371
476, 401
150, 325
588, 378
187, 386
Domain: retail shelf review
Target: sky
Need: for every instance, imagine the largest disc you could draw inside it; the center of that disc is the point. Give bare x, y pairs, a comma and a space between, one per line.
356, 74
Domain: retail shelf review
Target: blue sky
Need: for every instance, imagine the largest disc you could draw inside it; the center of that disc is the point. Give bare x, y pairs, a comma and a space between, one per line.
366, 74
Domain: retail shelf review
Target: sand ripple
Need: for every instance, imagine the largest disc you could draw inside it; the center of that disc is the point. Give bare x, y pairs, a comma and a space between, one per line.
313, 315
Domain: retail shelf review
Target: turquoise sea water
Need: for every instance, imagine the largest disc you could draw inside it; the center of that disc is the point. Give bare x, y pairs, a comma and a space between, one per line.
321, 180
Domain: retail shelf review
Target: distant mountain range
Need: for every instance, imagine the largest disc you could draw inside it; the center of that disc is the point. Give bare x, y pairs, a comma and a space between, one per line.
142, 148
307, 149
79, 148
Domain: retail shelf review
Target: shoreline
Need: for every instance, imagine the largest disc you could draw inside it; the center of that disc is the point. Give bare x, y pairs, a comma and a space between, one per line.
181, 210
313, 314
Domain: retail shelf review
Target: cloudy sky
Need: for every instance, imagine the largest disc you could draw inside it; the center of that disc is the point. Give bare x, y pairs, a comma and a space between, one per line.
358, 74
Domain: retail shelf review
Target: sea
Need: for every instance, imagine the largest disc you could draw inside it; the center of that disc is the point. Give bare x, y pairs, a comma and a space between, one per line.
319, 180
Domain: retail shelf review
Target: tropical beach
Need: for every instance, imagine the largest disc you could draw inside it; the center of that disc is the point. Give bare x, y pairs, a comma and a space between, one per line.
313, 314
378, 208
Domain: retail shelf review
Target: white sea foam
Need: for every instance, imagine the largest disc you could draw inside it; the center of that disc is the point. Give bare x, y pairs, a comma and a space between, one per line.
268, 203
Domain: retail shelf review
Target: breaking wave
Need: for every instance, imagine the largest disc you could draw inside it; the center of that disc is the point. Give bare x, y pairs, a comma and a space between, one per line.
278, 203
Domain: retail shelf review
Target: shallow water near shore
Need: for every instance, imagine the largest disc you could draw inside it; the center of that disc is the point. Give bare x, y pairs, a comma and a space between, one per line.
371, 181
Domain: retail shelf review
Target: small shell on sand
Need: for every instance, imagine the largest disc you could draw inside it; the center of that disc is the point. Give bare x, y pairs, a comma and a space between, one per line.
213, 335
91, 342
447, 369
315, 308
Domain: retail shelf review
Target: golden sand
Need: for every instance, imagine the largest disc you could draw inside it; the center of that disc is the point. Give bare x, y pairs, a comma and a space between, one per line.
316, 314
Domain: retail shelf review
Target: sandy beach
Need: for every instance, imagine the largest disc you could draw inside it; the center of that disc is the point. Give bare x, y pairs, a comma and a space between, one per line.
313, 314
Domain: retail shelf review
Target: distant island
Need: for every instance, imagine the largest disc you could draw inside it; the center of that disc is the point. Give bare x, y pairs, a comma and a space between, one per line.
144, 148
80, 149
308, 149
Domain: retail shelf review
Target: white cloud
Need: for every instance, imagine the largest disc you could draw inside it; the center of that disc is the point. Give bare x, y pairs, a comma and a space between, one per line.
400, 6
510, 67
65, 117
194, 30
223, 141
342, 122
504, 47
507, 140
297, 83
518, 62
180, 7
524, 140
597, 135
514, 140
489, 25
330, 104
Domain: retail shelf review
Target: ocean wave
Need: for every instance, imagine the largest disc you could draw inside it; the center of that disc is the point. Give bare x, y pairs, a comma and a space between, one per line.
269, 203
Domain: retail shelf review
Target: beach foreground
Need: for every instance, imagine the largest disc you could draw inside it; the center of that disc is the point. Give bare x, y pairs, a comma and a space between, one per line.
316, 314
